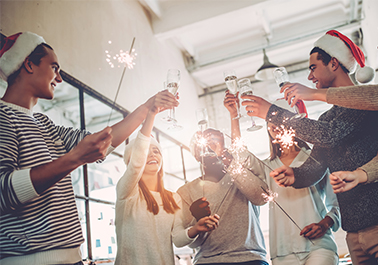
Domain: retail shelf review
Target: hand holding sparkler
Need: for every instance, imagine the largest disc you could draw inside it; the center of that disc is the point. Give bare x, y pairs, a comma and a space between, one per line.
317, 230
283, 176
200, 208
271, 197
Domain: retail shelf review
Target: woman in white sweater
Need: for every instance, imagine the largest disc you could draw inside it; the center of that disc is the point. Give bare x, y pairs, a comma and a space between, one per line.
148, 217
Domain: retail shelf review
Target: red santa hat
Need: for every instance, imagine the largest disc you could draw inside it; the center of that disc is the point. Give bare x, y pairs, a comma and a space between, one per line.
15, 50
347, 52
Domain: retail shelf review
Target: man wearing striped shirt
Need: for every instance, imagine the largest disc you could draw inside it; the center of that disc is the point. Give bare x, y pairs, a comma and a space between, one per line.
39, 221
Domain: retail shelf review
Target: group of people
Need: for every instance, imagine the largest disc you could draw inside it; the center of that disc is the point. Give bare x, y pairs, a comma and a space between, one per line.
216, 214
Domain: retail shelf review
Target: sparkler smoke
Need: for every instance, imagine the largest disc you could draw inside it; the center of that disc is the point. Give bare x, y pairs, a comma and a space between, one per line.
127, 63
270, 197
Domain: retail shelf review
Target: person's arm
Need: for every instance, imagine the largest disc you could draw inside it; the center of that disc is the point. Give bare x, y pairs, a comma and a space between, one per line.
127, 185
325, 132
187, 218
346, 180
182, 236
123, 129
363, 97
231, 103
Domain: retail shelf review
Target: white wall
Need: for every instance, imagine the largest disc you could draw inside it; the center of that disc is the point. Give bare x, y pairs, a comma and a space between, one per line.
79, 32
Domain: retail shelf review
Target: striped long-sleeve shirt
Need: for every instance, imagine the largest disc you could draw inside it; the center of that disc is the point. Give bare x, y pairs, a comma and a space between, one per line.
32, 222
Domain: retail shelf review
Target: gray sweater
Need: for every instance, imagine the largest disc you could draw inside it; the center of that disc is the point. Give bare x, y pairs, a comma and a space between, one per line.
344, 139
238, 237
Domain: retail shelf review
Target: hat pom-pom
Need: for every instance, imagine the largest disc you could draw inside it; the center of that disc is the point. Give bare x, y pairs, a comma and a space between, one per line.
365, 74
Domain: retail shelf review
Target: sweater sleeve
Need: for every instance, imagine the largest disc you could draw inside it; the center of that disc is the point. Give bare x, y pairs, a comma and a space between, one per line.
248, 181
187, 219
179, 233
371, 169
127, 186
327, 131
364, 97
311, 171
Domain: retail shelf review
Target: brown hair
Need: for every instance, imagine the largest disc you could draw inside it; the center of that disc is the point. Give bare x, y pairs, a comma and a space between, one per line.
326, 58
35, 57
169, 203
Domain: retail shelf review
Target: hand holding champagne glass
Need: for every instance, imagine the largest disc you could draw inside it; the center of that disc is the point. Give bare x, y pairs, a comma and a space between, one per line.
232, 85
246, 89
173, 83
282, 77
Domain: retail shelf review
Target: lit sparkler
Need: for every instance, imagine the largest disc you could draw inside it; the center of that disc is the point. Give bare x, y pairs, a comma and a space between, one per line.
125, 58
286, 139
127, 63
271, 197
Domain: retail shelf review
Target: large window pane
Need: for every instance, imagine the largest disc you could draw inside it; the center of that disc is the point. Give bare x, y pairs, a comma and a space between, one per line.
103, 236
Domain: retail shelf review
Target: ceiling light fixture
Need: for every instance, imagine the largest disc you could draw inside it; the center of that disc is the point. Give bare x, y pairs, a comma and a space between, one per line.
265, 72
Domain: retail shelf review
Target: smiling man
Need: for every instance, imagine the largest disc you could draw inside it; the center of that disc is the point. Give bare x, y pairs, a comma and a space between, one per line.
344, 139
39, 220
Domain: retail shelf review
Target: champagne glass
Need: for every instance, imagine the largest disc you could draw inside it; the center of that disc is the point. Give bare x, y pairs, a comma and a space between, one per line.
173, 84
202, 118
232, 85
245, 88
202, 121
282, 77
168, 118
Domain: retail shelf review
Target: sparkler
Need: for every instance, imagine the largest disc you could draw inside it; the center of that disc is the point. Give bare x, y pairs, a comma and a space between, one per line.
286, 137
270, 197
127, 59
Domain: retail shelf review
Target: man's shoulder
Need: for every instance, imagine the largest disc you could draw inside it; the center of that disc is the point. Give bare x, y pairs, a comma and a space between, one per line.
190, 185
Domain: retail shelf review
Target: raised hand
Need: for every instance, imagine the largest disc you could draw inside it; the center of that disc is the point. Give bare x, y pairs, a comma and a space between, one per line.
200, 208
231, 102
296, 91
256, 106
283, 176
161, 101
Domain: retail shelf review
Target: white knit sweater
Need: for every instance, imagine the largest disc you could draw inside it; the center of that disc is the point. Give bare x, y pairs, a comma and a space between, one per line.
142, 237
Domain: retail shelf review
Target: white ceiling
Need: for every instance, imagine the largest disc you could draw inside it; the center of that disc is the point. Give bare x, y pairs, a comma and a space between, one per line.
216, 35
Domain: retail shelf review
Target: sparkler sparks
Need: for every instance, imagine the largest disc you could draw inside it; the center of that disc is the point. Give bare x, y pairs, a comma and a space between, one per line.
125, 58
120, 81
286, 139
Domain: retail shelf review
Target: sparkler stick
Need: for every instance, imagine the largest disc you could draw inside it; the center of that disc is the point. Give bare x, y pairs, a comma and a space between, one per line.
120, 82
258, 159
271, 198
310, 156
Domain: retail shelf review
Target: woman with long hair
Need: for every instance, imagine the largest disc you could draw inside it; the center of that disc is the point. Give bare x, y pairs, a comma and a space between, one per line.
148, 217
315, 209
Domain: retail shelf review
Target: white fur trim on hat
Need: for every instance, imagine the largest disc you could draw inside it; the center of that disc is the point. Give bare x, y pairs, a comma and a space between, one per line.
335, 47
365, 75
12, 59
